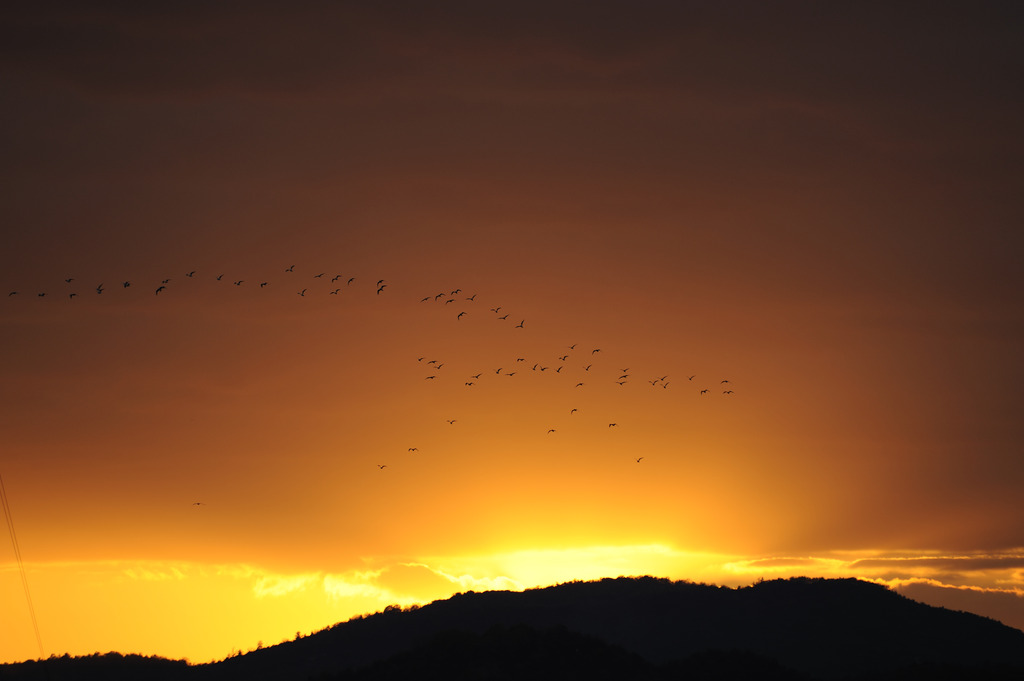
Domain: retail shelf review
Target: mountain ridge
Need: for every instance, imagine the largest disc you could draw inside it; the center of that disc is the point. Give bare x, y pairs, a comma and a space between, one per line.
797, 628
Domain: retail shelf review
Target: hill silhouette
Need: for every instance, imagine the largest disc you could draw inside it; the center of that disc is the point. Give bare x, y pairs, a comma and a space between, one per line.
625, 628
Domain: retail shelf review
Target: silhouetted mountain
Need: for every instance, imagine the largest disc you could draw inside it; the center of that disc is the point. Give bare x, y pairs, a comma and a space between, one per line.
638, 629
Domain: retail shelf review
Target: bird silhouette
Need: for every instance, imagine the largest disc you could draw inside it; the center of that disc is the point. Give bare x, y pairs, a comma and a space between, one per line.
520, 324
382, 466
303, 292
290, 269
459, 316
413, 449
639, 459
161, 288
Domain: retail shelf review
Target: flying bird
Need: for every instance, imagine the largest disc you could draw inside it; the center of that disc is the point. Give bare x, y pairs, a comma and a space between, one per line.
639, 459
191, 274
551, 430
520, 324
612, 425
317, 276
161, 288
459, 316
381, 288
413, 449
290, 269
303, 292
451, 422
99, 289
69, 280
382, 466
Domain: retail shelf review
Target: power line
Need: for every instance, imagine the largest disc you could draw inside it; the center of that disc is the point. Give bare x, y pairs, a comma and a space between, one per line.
21, 564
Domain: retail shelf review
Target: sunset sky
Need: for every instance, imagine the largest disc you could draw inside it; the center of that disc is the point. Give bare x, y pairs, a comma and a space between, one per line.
784, 237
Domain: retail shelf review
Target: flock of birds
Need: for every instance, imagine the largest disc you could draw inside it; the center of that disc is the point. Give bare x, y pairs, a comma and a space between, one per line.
576, 365
72, 287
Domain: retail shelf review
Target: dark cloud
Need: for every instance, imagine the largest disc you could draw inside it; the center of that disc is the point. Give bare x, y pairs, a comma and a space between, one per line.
946, 564
1007, 606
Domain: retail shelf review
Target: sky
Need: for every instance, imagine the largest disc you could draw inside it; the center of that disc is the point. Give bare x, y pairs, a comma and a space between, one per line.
315, 308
